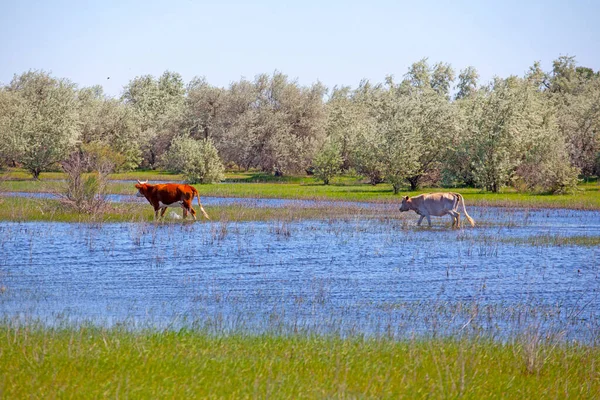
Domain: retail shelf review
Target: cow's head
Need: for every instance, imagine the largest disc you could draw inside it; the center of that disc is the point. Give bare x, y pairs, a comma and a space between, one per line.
141, 187
404, 206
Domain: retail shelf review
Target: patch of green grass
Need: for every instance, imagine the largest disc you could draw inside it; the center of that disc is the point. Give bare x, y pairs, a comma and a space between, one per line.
556, 240
255, 185
18, 174
94, 362
31, 209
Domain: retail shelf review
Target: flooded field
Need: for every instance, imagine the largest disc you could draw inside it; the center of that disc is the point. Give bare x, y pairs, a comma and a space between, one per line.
228, 201
517, 272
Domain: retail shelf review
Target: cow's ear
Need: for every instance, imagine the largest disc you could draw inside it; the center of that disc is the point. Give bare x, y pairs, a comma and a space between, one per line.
405, 197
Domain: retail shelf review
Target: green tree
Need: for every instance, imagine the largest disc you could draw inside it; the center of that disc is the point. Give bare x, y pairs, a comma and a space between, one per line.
328, 162
197, 160
111, 123
47, 121
11, 110
205, 107
413, 127
467, 83
287, 124
369, 149
513, 134
442, 77
158, 105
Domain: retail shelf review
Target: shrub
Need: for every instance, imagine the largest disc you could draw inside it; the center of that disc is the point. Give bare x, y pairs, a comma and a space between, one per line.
327, 163
197, 160
85, 191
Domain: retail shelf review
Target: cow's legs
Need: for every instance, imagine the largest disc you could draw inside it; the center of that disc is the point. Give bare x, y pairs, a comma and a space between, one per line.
187, 206
420, 220
428, 220
455, 218
164, 209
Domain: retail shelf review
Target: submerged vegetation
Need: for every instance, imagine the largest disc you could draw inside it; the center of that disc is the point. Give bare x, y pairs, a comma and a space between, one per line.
344, 188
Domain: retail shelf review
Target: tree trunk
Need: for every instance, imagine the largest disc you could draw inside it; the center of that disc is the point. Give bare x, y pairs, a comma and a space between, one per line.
414, 182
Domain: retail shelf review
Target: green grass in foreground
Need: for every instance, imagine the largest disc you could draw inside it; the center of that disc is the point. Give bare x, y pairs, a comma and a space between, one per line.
94, 362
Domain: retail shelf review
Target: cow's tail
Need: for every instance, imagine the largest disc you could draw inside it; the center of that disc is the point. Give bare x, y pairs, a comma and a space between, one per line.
461, 199
195, 193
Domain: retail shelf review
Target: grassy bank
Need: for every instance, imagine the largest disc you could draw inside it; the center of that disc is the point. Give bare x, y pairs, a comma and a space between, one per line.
29, 209
252, 185
94, 362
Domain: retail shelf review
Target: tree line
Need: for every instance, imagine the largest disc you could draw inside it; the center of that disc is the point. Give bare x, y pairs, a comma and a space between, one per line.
538, 132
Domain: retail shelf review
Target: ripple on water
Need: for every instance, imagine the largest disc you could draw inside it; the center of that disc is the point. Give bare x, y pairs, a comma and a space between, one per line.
355, 276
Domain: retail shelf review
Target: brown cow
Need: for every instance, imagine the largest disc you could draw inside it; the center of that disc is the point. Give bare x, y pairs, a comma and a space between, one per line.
436, 204
170, 195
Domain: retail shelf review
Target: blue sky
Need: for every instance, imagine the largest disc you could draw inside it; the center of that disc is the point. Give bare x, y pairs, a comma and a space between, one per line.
335, 42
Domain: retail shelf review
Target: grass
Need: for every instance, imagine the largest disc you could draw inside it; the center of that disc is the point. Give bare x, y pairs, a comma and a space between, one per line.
556, 240
30, 209
95, 362
18, 174
255, 185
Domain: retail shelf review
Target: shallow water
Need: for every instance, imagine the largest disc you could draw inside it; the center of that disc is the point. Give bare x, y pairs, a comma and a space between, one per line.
347, 277
228, 201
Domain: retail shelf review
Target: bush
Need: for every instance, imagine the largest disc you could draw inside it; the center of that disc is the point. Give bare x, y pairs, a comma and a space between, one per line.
327, 163
85, 191
547, 168
198, 161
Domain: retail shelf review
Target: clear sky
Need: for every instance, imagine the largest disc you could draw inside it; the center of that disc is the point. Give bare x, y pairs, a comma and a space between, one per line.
335, 42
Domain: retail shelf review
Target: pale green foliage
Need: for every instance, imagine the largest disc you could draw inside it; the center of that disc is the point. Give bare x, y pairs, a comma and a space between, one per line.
564, 76
537, 77
421, 76
467, 82
347, 121
534, 132
578, 111
197, 160
205, 109
495, 130
328, 162
112, 123
369, 157
368, 151
289, 124
511, 133
441, 78
158, 105
11, 109
411, 129
47, 120
271, 123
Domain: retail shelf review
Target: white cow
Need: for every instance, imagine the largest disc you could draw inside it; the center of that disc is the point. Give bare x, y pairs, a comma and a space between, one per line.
436, 204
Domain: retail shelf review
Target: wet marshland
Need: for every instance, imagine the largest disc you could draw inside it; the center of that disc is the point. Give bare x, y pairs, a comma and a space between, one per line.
518, 271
